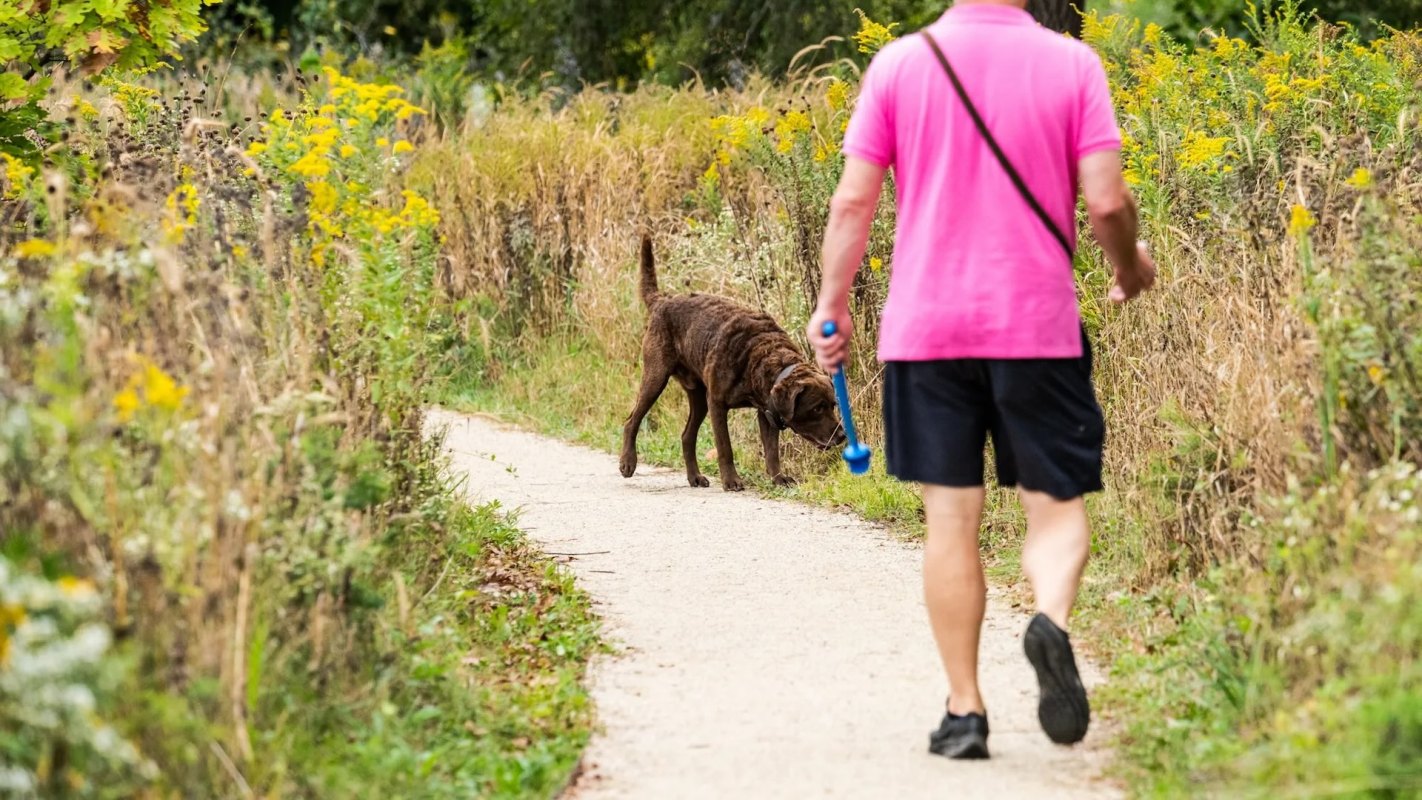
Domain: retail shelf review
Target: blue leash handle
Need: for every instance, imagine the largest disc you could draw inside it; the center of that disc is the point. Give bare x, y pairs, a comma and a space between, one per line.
855, 454
841, 393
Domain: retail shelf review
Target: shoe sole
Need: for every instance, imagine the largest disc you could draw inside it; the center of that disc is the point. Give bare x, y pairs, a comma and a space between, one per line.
968, 749
1063, 710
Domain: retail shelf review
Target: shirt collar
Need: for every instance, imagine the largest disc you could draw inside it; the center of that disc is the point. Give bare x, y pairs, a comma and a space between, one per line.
987, 13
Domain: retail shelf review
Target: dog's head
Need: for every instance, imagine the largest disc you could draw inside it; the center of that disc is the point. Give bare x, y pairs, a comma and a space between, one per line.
804, 401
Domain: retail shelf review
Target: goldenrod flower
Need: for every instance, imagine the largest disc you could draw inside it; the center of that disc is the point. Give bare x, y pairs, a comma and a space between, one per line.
1199, 150
126, 404
348, 150
1376, 373
1301, 221
17, 173
1362, 178
74, 587
160, 390
35, 248
311, 165
872, 36
403, 146
323, 197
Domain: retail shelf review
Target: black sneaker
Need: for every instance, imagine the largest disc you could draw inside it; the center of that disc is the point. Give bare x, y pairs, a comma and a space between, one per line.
1063, 709
962, 737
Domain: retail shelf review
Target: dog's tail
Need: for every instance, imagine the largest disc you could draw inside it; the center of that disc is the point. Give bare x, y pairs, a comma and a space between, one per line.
650, 292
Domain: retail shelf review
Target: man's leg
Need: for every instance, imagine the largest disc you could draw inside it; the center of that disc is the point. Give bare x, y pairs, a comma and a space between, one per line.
954, 588
1054, 555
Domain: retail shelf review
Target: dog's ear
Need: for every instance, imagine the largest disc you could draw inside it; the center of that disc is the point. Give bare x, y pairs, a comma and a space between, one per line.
785, 396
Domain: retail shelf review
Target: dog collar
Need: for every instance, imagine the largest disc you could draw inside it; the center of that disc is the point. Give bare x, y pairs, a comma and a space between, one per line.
784, 373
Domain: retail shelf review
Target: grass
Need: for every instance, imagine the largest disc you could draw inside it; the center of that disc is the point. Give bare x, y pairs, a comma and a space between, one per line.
476, 690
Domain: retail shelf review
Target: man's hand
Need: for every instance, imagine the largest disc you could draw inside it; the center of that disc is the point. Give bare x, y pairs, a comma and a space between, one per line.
1130, 283
830, 351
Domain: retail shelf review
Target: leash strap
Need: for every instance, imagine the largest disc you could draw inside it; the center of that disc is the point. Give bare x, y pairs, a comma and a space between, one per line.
997, 150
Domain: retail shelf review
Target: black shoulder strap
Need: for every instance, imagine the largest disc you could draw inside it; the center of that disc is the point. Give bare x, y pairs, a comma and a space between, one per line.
996, 150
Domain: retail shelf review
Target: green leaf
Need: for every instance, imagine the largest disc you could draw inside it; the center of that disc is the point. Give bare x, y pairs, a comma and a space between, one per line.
111, 10
13, 87
10, 49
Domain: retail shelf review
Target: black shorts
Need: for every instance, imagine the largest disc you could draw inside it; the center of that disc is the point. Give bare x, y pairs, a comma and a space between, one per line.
1047, 428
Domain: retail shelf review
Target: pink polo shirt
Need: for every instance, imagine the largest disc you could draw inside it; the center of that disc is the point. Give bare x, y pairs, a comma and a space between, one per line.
975, 273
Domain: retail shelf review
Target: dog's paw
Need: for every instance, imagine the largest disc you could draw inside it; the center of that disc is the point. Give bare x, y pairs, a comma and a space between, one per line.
628, 465
698, 481
733, 485
784, 480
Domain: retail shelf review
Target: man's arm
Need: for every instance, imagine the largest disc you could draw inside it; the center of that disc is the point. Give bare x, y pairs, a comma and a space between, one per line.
1115, 223
851, 213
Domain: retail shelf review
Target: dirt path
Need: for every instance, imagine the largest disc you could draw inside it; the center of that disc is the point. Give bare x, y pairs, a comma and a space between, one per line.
768, 649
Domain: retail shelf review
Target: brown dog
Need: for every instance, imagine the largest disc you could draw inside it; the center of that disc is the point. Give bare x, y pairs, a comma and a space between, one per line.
726, 356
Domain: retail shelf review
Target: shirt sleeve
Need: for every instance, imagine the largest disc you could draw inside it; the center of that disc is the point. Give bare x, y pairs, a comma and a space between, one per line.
1098, 129
870, 134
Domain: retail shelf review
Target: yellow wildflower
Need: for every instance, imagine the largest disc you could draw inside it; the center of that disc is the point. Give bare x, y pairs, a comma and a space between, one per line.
382, 142
74, 587
323, 197
256, 148
160, 390
403, 146
788, 129
311, 165
872, 36
837, 95
1301, 221
85, 108
876, 264
126, 404
1153, 32
1376, 373
1199, 150
11, 618
712, 174
321, 139
348, 150
1226, 46
35, 248
1362, 178
17, 174
418, 211
182, 205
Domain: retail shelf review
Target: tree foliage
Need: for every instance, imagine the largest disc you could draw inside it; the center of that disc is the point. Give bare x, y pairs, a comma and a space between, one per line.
93, 35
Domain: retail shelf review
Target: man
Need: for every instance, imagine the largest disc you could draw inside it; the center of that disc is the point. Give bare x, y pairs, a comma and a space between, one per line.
981, 333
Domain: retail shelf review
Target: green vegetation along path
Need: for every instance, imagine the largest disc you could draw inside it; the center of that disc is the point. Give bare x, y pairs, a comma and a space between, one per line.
765, 649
